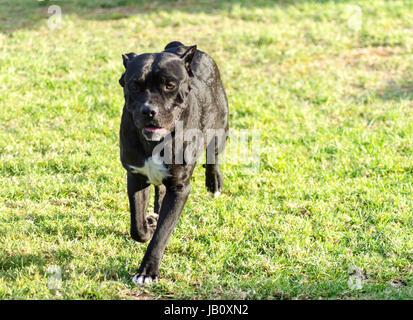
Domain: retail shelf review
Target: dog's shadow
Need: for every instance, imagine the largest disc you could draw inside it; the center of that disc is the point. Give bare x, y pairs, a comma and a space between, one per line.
29, 14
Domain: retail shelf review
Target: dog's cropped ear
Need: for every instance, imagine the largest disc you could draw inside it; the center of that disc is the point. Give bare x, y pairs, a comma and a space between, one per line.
127, 57
174, 44
187, 57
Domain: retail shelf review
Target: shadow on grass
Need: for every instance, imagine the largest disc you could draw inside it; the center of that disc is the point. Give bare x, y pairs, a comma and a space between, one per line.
27, 14
18, 261
55, 263
396, 89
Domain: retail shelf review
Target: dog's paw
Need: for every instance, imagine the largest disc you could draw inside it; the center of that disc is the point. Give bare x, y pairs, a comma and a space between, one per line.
152, 220
141, 280
216, 194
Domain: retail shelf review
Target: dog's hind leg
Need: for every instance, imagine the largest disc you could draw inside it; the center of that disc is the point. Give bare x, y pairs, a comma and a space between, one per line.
142, 226
213, 174
213, 179
152, 218
159, 194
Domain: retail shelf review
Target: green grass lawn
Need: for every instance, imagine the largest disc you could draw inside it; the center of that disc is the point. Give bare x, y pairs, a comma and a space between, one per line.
334, 190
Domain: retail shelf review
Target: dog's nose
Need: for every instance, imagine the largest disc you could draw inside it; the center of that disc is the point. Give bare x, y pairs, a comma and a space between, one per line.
149, 111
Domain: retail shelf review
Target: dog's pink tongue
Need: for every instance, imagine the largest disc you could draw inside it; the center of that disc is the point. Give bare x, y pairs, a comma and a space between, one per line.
157, 130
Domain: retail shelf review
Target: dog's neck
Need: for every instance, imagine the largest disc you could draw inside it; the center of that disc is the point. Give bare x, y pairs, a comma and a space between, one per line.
147, 146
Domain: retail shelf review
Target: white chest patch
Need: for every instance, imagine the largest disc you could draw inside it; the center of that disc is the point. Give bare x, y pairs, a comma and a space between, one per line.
154, 170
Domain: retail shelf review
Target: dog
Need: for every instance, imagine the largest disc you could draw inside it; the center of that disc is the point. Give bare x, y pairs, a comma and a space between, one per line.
179, 87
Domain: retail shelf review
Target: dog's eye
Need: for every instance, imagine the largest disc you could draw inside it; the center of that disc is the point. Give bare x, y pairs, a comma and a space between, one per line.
170, 86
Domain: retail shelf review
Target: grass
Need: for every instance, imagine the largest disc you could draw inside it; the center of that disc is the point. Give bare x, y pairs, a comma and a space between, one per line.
334, 189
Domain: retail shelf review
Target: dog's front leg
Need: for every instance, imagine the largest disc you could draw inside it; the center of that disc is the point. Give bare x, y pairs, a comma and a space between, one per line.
172, 205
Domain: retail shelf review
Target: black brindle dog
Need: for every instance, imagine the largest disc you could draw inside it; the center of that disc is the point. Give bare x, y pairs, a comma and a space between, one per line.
179, 87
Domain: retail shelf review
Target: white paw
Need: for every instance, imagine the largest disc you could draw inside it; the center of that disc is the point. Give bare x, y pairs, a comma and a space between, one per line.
216, 194
142, 280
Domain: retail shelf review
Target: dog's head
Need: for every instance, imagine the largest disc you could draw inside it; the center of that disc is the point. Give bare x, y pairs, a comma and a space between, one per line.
156, 87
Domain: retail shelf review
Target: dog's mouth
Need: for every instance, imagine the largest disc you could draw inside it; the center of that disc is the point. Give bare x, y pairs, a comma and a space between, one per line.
155, 129
153, 133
